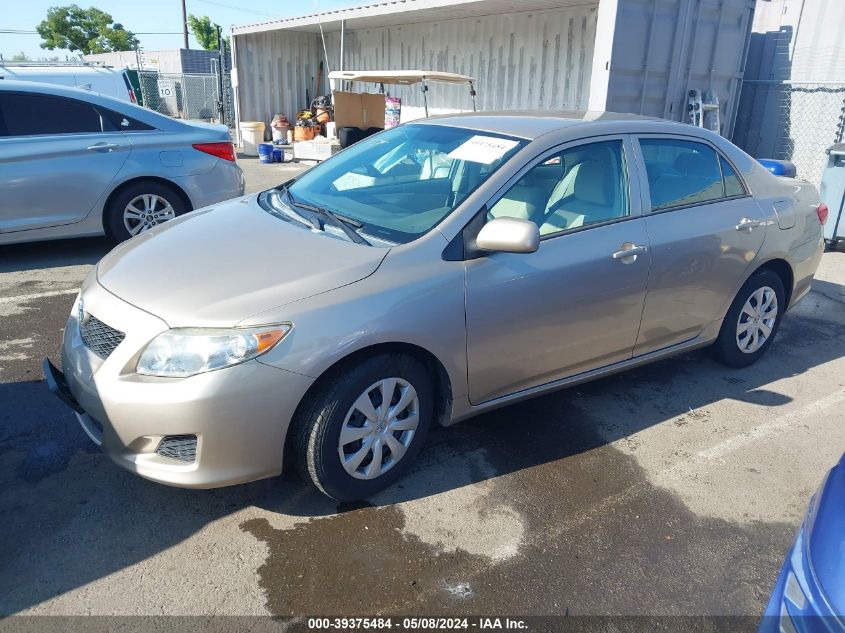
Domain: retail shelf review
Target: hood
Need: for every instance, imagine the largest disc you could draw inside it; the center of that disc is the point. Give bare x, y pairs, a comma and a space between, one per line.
825, 527
218, 266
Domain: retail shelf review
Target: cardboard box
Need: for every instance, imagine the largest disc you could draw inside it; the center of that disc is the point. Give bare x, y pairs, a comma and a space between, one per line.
359, 109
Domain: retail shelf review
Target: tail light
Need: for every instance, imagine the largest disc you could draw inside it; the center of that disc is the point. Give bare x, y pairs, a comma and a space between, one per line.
224, 149
822, 212
132, 98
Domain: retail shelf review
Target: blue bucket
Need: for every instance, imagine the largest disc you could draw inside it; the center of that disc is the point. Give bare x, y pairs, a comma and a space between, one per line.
278, 155
265, 152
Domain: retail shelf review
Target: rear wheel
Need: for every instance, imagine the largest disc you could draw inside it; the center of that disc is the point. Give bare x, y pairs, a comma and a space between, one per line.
141, 206
752, 321
361, 430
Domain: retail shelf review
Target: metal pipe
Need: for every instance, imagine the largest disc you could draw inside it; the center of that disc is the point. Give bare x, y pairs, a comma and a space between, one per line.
424, 88
647, 64
342, 41
185, 23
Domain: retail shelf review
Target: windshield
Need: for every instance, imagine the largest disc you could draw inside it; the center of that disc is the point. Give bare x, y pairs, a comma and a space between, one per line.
400, 183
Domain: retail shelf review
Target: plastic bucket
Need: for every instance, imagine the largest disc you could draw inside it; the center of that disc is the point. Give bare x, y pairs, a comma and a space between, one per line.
265, 152
278, 155
252, 133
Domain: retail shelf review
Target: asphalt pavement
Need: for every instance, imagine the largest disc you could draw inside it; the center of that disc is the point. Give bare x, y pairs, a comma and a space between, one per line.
670, 489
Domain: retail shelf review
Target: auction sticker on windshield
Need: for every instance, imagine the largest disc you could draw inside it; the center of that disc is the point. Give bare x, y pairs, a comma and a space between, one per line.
483, 149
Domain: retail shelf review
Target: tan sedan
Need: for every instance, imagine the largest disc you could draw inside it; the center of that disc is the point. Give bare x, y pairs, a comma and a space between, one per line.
428, 273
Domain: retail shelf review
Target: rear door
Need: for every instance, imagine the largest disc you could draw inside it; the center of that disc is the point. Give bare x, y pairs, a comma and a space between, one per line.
704, 229
58, 157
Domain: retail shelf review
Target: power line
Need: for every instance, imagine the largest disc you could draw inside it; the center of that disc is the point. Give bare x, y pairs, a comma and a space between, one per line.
230, 6
24, 32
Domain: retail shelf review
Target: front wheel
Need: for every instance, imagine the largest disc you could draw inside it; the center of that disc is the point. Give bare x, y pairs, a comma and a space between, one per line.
363, 427
752, 321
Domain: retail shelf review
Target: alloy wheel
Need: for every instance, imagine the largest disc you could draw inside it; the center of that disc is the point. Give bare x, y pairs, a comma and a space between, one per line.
146, 211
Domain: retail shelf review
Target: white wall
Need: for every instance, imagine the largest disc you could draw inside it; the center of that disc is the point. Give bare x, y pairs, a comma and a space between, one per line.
526, 60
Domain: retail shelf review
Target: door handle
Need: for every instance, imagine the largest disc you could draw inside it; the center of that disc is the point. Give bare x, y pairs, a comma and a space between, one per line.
107, 147
746, 224
629, 252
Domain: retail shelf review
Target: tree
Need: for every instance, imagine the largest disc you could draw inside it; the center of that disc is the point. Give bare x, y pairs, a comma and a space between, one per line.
86, 30
204, 30
19, 57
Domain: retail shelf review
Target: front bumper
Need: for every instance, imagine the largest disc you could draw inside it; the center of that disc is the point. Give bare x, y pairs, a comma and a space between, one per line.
239, 415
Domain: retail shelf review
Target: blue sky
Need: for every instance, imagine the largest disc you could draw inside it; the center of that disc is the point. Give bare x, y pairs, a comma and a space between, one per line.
141, 16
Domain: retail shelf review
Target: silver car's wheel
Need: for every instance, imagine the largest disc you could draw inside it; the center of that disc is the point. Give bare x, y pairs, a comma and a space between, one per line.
146, 211
757, 320
378, 428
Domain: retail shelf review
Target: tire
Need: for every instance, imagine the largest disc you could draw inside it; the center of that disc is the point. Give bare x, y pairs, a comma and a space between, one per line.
166, 204
334, 406
736, 349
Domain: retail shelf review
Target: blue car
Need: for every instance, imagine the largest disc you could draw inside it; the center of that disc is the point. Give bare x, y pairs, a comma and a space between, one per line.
809, 595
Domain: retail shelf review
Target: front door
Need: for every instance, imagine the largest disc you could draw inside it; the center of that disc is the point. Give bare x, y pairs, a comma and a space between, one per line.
56, 160
575, 304
705, 230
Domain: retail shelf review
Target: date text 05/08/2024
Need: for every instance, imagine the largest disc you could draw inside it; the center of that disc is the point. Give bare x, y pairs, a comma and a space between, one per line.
423, 623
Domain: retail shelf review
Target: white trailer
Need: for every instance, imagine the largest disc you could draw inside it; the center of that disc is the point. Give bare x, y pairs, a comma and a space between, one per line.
640, 56
112, 82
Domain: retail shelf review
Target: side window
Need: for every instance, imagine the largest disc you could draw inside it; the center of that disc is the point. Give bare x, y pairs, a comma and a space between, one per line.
582, 185
733, 185
681, 172
30, 115
117, 122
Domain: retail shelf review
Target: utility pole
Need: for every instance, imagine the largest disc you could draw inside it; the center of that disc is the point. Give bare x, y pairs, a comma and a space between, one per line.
185, 23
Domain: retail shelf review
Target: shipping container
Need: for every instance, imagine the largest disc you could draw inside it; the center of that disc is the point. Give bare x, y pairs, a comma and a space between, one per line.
639, 56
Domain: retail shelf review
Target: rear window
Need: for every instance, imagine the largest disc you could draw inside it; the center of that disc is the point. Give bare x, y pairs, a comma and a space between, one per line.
38, 115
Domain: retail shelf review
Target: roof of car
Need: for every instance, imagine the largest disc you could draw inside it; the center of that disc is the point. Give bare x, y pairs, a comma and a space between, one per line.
531, 124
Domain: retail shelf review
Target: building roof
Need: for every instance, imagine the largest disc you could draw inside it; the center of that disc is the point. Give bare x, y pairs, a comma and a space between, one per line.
395, 12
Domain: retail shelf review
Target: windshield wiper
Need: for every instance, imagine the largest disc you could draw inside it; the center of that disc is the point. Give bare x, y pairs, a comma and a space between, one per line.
347, 225
289, 212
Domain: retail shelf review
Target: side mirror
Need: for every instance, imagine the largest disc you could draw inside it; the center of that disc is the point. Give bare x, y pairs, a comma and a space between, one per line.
509, 235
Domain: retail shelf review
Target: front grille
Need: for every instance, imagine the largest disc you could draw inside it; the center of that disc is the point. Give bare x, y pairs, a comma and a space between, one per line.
180, 447
100, 338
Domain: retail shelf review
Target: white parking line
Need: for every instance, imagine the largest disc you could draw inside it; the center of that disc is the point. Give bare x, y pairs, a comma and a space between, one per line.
39, 295
779, 424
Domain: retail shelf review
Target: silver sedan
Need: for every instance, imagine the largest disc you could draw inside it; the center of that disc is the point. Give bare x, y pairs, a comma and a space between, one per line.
427, 274
75, 163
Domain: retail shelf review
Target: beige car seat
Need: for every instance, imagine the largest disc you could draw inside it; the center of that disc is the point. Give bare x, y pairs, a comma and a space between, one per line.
591, 198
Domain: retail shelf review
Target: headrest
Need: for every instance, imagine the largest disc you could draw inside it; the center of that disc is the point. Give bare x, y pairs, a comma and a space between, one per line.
693, 164
593, 183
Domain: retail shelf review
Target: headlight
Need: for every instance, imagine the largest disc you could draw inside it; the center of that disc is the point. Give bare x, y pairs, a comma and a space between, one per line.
183, 352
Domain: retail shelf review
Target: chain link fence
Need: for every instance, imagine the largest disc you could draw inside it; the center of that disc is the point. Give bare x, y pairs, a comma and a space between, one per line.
188, 96
790, 120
